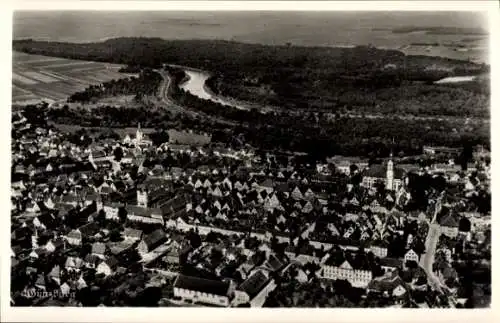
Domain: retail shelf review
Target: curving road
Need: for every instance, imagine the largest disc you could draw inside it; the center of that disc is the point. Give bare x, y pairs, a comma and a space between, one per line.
164, 98
427, 259
166, 102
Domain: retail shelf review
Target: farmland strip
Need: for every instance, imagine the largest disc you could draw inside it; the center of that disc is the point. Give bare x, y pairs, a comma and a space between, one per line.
23, 79
40, 77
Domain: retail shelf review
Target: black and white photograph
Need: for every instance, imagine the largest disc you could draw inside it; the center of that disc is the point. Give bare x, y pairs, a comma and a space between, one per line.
250, 159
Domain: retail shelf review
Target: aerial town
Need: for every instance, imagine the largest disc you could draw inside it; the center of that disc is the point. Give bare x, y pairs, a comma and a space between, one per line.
151, 172
103, 226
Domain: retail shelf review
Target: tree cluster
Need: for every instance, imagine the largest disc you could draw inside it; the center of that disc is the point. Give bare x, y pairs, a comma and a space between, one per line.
145, 84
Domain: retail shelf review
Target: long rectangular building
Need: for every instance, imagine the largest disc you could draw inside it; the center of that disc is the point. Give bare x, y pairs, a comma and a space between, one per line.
201, 290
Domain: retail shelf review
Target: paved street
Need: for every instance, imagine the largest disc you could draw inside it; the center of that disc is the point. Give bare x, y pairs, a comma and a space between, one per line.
163, 95
427, 259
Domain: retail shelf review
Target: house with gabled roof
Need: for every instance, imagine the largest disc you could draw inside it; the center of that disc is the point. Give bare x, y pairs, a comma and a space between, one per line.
308, 207
309, 194
449, 225
354, 201
38, 253
253, 290
303, 254
217, 192
40, 282
107, 266
207, 184
55, 274
32, 207
391, 264
81, 283
411, 255
391, 285
266, 185
91, 261
173, 255
297, 194
151, 241
99, 249
45, 221
97, 155
198, 184
55, 244
132, 234
217, 205
74, 264
74, 237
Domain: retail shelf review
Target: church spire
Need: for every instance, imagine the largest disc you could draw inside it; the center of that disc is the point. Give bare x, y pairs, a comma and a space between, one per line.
392, 147
138, 135
389, 181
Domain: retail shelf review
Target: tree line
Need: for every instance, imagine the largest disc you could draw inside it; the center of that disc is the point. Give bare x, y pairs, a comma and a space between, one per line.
145, 84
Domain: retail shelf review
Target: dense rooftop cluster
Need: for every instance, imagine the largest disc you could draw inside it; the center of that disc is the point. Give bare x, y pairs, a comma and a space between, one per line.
125, 222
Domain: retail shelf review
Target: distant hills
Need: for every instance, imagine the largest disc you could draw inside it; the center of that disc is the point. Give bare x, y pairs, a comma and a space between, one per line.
437, 30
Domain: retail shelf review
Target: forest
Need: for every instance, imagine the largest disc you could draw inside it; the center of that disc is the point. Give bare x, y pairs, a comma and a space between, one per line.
145, 84
229, 56
330, 79
376, 95
343, 135
130, 69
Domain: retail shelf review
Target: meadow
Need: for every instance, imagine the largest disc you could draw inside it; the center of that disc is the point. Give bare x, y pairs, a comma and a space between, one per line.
36, 77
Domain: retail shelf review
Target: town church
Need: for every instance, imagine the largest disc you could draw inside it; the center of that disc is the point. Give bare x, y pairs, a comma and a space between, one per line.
391, 176
140, 139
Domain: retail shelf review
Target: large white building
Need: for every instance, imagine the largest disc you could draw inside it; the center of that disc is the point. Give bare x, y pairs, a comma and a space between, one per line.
346, 269
391, 176
200, 290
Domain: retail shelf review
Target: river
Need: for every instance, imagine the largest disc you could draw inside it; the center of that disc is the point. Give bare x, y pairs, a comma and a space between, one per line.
456, 79
196, 86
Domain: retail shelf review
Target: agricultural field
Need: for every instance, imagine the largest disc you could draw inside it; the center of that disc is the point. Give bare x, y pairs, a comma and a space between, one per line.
53, 79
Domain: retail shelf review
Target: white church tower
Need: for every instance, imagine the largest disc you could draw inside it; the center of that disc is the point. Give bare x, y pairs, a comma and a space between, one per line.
389, 181
138, 134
